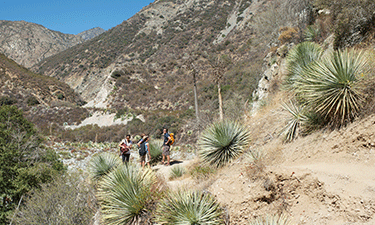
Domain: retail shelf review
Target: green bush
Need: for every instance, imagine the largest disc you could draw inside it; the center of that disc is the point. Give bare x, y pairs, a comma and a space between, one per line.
103, 163
331, 86
189, 207
125, 194
176, 171
298, 58
44, 206
26, 164
156, 151
271, 220
222, 142
32, 101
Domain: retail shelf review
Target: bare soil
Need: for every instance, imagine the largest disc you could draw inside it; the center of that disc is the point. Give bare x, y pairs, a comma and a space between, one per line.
324, 178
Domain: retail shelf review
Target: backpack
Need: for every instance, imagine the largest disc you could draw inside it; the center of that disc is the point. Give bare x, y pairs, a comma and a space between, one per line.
172, 138
142, 149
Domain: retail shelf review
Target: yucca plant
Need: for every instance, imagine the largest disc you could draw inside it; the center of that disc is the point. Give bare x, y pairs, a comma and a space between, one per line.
297, 118
311, 33
298, 59
176, 171
222, 142
101, 164
271, 220
125, 194
156, 150
331, 87
188, 208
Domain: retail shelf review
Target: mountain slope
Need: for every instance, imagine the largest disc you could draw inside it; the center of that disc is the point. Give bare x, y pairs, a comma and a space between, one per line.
142, 63
29, 43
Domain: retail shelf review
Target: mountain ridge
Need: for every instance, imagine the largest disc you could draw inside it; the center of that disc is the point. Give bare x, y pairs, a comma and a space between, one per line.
29, 43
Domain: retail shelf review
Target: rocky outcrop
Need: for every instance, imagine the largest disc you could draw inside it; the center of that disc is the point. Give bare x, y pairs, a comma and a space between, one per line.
89, 34
29, 43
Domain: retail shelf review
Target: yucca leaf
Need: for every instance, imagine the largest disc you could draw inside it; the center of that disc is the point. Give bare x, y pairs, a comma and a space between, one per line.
271, 220
101, 164
124, 194
222, 142
188, 208
330, 85
298, 58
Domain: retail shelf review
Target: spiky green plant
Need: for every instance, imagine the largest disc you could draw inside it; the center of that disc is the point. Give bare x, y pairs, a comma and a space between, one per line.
156, 150
222, 142
176, 171
101, 164
298, 59
189, 207
124, 194
331, 87
297, 118
271, 220
311, 33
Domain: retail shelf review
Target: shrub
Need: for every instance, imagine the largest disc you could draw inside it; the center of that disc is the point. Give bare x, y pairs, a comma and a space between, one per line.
298, 59
222, 142
176, 171
271, 220
156, 151
189, 207
312, 33
26, 163
297, 118
32, 101
331, 86
202, 171
103, 163
125, 194
44, 206
288, 34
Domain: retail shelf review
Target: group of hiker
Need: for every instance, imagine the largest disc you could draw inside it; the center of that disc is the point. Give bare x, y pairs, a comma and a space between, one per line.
144, 148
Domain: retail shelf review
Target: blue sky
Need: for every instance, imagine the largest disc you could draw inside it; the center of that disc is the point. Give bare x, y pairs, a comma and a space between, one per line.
71, 16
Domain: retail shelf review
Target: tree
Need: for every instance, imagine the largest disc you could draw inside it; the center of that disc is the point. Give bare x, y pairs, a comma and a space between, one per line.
25, 163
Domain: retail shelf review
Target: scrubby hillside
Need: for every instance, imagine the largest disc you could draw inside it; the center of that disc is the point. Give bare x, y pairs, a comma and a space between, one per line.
29, 43
144, 62
45, 100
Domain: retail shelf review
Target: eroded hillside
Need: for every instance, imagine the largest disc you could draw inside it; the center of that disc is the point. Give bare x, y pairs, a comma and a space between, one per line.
29, 43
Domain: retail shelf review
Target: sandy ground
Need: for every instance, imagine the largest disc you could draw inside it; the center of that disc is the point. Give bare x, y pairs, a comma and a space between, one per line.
327, 177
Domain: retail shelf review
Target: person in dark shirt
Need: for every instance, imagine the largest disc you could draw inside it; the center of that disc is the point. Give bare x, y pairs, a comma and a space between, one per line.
166, 146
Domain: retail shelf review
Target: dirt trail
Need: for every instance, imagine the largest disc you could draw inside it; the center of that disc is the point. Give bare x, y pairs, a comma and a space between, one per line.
165, 172
324, 178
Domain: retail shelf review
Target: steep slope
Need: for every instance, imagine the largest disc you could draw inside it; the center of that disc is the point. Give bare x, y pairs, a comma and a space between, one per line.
29, 43
142, 63
45, 100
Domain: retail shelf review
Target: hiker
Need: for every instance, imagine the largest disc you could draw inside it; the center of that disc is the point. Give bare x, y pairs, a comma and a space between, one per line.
125, 146
166, 146
144, 152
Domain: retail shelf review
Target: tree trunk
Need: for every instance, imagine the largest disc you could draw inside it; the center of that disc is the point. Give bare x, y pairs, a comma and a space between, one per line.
220, 101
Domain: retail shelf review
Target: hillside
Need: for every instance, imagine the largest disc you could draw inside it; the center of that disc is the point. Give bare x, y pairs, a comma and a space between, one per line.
45, 100
139, 63
29, 43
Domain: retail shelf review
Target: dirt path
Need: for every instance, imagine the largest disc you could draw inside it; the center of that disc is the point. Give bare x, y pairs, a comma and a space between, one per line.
324, 178
165, 172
